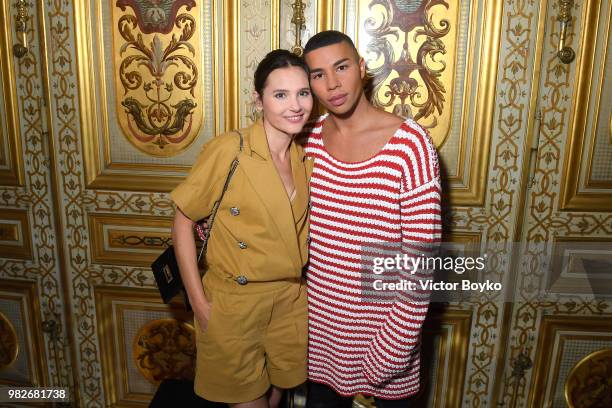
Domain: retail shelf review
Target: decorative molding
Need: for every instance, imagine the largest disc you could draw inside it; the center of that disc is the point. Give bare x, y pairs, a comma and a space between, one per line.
12, 172
572, 196
555, 331
128, 239
453, 328
580, 265
231, 63
119, 372
15, 239
29, 352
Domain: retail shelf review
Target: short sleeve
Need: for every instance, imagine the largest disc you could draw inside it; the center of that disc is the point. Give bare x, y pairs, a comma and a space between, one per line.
196, 195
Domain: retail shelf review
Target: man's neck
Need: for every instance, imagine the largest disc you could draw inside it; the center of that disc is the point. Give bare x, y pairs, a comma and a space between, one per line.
354, 119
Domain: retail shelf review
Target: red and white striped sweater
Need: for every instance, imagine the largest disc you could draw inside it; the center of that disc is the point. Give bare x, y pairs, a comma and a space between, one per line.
355, 345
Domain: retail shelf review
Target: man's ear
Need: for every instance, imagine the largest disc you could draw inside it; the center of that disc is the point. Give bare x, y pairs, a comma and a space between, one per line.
362, 67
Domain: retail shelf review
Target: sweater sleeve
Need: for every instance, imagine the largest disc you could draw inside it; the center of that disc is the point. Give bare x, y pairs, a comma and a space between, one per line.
395, 345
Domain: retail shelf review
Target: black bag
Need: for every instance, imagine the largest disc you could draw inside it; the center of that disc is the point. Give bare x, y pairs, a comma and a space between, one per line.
165, 267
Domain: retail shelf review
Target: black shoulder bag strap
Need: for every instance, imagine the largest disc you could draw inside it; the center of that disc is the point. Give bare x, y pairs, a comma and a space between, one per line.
211, 219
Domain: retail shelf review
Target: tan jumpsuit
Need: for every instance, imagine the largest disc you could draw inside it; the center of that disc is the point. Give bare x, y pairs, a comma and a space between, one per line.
257, 332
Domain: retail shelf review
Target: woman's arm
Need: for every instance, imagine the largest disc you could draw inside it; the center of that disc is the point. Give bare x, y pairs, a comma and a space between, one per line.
185, 250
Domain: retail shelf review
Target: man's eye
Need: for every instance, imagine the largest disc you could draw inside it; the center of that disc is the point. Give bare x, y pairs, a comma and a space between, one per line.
316, 76
342, 67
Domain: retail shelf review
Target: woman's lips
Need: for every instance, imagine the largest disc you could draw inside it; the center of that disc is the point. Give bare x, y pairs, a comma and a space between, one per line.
295, 118
338, 100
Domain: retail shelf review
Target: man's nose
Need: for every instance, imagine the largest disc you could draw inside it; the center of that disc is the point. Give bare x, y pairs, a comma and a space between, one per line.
332, 81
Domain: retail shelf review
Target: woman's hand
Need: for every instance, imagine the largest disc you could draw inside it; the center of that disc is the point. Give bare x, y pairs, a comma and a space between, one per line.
202, 315
185, 250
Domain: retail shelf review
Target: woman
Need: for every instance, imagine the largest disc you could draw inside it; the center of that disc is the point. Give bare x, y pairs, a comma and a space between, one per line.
250, 309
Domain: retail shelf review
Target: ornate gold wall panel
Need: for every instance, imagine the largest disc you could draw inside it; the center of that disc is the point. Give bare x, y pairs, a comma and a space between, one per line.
11, 164
544, 222
122, 314
446, 379
128, 239
255, 40
151, 105
580, 265
31, 206
564, 341
156, 50
589, 120
422, 56
15, 240
19, 304
588, 382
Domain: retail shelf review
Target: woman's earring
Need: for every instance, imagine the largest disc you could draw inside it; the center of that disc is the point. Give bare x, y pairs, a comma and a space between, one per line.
255, 112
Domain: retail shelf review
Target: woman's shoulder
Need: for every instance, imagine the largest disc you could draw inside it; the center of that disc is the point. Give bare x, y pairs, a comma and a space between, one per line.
225, 143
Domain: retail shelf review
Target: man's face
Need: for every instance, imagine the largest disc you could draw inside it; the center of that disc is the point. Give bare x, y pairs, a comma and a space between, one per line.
336, 75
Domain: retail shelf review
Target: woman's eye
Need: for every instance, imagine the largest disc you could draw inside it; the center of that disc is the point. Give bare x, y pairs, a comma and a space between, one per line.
305, 93
279, 95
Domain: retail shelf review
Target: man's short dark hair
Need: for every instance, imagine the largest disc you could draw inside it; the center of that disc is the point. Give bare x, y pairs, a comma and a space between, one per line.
325, 38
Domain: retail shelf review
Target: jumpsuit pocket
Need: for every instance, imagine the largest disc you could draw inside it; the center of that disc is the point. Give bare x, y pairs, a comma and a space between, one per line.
222, 352
224, 321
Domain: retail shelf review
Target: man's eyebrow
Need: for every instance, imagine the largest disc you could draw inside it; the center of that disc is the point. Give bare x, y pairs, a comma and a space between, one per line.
317, 70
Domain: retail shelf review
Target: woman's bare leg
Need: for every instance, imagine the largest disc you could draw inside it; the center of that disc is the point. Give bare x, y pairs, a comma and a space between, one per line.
261, 402
274, 396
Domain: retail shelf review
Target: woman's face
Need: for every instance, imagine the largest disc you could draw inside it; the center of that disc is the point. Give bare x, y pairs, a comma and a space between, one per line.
286, 101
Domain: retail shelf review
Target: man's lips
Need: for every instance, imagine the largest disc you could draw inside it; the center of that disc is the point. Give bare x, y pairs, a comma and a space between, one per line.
338, 99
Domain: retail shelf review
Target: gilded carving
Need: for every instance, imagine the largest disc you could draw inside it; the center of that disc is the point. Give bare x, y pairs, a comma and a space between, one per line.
165, 348
416, 82
588, 384
9, 346
158, 76
121, 239
155, 16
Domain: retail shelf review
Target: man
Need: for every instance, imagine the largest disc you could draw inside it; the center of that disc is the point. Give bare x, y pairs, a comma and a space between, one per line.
375, 179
